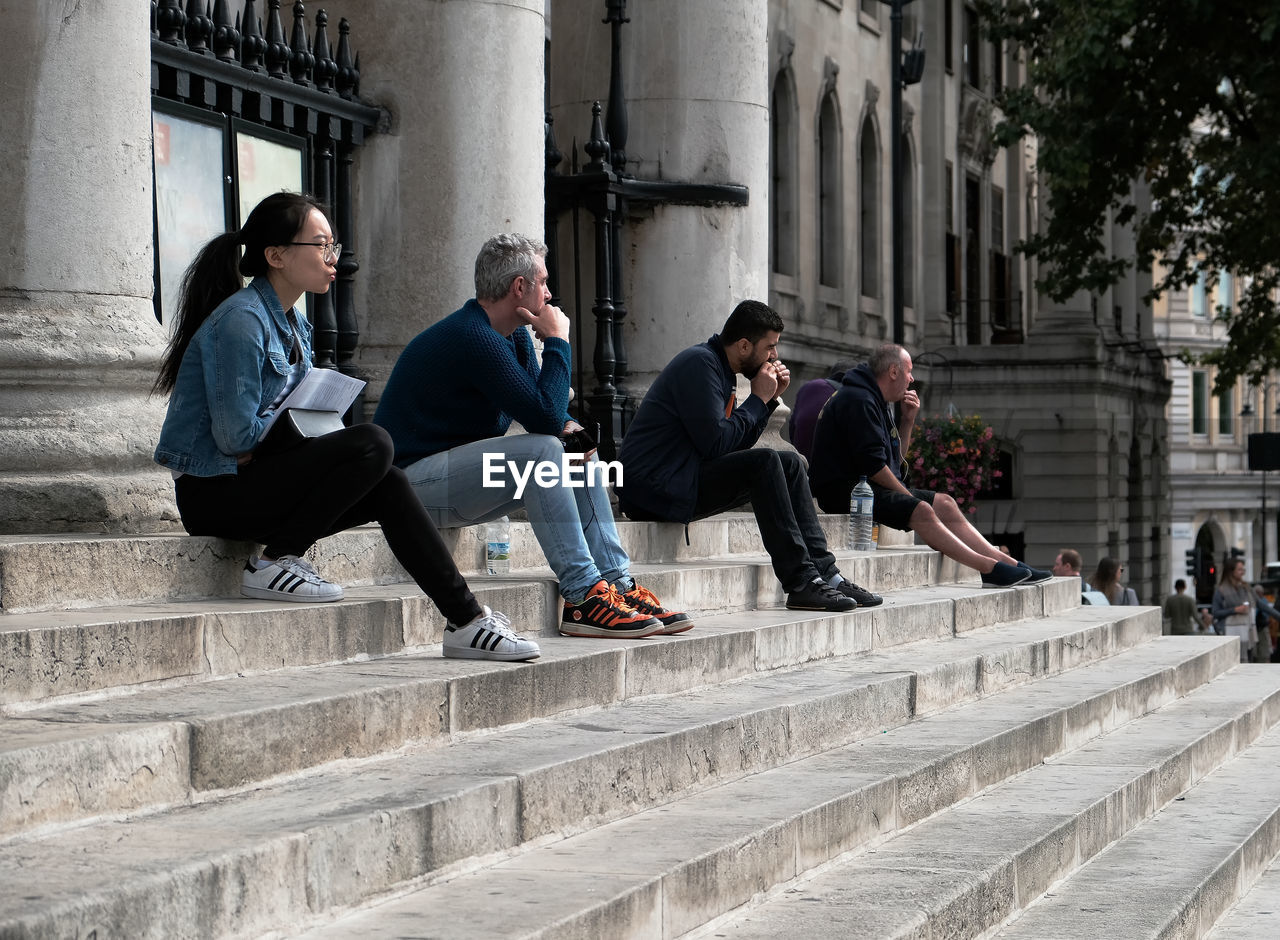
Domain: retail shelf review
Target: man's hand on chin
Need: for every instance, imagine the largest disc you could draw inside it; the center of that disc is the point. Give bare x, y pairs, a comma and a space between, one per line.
548, 322
783, 375
765, 384
910, 404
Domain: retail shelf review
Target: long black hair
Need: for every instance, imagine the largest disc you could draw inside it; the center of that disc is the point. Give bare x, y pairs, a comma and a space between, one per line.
219, 269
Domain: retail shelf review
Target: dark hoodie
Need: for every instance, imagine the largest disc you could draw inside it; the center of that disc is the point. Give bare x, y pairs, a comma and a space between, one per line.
855, 436
688, 415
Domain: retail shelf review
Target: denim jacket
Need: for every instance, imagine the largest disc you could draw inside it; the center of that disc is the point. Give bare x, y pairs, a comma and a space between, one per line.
234, 368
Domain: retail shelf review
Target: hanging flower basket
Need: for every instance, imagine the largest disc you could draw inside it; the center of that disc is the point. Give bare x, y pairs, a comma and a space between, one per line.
954, 455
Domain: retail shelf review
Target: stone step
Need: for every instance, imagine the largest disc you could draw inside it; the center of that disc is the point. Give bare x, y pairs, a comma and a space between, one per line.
963, 872
1256, 916
162, 746
67, 572
677, 867
54, 653
271, 857
1183, 868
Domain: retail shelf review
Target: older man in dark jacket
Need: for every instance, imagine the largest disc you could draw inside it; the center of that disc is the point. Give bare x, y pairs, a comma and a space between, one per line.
856, 436
688, 454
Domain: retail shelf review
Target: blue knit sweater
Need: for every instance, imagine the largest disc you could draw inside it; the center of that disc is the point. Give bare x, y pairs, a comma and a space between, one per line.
461, 380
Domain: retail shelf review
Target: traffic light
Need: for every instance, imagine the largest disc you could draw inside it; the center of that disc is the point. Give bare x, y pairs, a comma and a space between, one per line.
1193, 561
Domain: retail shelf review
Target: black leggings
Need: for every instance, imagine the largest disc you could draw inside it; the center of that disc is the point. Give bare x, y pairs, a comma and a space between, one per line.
290, 499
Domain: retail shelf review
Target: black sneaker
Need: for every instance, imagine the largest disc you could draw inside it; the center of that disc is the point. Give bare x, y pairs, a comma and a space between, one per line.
819, 595
1005, 575
861, 596
1037, 574
643, 600
604, 613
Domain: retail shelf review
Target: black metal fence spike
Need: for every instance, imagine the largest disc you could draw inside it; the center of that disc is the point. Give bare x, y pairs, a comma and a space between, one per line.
169, 22
597, 147
345, 79
325, 68
199, 27
301, 60
154, 5
252, 45
553, 155
226, 37
615, 11
277, 56
355, 89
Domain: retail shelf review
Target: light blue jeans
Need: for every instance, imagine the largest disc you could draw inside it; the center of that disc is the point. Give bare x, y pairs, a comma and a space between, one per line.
573, 525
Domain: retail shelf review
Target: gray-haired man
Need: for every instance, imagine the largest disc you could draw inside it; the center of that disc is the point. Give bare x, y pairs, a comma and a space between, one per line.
448, 404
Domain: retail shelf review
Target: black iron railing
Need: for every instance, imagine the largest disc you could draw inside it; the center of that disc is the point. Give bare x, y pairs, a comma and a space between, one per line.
244, 69
604, 189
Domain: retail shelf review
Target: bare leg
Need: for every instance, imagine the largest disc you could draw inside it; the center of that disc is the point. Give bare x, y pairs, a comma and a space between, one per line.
925, 522
950, 515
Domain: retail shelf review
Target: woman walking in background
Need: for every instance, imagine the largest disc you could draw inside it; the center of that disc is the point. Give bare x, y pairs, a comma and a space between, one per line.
1233, 607
1106, 581
235, 355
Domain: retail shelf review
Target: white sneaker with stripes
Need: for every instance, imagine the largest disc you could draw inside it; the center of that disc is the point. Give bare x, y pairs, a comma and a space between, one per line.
489, 636
288, 578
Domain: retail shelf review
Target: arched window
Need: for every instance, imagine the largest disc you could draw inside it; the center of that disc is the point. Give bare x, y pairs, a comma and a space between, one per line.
830, 247
869, 208
782, 169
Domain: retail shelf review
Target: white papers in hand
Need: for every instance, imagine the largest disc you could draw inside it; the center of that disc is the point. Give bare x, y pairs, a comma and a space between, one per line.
319, 390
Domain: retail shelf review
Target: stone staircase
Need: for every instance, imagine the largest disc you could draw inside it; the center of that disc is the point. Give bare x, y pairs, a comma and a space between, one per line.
176, 761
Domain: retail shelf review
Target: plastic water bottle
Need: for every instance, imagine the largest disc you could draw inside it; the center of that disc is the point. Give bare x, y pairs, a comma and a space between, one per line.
497, 546
860, 505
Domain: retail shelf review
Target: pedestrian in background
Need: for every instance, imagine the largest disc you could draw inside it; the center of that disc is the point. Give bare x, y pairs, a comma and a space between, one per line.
1106, 581
1233, 608
1180, 610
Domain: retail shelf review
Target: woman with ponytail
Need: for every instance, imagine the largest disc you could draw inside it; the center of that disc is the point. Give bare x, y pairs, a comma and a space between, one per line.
236, 353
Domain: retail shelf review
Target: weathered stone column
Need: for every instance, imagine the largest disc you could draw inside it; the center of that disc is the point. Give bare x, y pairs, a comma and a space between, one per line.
79, 341
697, 93
462, 158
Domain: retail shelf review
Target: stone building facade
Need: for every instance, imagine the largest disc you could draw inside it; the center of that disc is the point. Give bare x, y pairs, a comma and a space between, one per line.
1218, 504
788, 99
1075, 391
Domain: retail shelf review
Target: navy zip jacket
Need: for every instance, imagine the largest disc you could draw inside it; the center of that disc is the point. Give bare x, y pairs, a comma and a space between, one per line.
855, 436
687, 416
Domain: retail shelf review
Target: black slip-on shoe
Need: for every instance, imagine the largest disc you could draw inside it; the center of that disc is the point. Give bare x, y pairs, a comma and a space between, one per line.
1037, 574
1004, 575
819, 595
861, 596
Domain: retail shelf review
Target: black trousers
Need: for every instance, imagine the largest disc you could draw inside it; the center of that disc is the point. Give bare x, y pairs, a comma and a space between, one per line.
288, 500
777, 486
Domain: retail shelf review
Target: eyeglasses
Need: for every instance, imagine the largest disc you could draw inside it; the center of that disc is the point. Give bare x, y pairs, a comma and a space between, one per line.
330, 251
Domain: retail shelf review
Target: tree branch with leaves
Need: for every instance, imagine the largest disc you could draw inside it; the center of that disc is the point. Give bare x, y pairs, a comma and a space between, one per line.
1175, 99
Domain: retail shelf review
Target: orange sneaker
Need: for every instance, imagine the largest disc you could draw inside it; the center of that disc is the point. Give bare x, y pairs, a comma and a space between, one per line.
643, 600
604, 613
